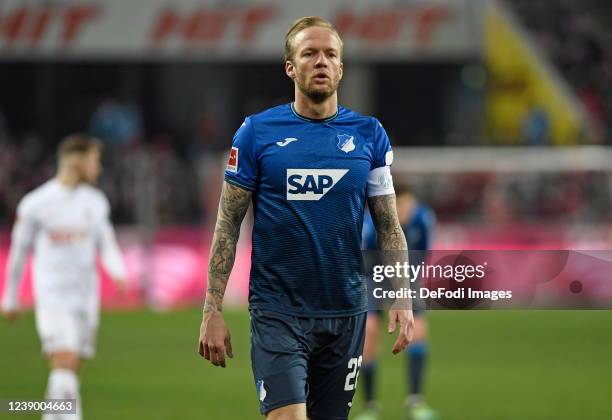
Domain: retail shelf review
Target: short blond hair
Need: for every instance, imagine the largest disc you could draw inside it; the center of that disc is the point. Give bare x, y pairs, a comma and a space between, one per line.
303, 23
78, 143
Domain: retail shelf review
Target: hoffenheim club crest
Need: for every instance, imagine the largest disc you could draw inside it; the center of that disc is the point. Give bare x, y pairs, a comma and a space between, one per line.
345, 143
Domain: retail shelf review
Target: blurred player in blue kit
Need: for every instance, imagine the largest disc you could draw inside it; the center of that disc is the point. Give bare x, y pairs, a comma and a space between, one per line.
417, 221
308, 167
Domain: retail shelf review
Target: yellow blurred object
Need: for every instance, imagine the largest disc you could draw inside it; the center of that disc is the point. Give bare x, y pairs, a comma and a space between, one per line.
521, 84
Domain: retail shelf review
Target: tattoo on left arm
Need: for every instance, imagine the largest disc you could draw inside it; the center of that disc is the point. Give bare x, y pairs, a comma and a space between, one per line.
391, 239
388, 229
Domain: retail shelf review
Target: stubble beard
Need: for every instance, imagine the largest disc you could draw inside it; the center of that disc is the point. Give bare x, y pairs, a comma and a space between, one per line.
316, 95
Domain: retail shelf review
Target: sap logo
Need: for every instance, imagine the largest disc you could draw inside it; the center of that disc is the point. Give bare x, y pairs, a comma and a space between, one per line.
311, 184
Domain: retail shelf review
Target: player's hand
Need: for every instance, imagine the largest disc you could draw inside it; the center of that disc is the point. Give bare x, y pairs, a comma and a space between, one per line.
406, 328
11, 315
215, 339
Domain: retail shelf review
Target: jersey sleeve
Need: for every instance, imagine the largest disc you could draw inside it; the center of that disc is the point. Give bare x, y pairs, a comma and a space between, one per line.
25, 226
242, 169
110, 253
380, 181
383, 154
22, 238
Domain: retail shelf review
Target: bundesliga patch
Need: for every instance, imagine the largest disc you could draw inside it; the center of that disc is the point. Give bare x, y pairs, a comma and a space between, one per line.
389, 158
232, 162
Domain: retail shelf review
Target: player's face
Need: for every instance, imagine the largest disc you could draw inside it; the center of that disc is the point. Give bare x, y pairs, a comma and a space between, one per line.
316, 67
91, 166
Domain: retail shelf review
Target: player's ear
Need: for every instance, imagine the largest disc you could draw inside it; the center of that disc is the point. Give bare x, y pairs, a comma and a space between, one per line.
341, 72
289, 69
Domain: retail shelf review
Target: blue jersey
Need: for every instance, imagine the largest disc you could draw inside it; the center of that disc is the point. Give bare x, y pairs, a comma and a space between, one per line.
308, 179
417, 230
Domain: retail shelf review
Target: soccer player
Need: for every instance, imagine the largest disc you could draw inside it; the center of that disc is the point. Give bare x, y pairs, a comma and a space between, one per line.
417, 221
307, 167
66, 221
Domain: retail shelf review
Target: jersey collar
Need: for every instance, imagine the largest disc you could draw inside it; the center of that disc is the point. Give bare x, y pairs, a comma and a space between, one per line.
315, 120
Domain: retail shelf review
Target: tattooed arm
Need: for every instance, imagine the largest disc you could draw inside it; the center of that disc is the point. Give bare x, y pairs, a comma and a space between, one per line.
232, 208
393, 248
388, 229
215, 338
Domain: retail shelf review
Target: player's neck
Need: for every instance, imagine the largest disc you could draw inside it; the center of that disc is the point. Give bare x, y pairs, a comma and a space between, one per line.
318, 111
67, 179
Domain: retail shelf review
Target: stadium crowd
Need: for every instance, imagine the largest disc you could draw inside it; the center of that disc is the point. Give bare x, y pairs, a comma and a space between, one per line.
135, 172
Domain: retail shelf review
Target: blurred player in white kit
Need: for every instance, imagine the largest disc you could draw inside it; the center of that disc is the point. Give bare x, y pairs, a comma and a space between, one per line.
66, 222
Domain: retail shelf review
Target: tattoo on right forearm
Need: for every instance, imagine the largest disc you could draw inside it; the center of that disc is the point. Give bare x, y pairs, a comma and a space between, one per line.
232, 208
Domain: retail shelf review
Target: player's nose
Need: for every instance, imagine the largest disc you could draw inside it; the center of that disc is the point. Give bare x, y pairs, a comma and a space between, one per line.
321, 60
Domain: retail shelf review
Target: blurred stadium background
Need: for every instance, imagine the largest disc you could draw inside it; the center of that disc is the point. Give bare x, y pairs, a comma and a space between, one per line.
500, 113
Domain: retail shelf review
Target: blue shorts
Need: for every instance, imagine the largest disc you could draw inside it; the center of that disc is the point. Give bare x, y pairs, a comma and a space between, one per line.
306, 360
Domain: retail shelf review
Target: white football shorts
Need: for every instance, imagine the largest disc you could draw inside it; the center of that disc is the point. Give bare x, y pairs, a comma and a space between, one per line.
67, 330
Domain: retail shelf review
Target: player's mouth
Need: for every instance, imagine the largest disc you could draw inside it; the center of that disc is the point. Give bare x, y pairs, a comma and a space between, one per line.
321, 77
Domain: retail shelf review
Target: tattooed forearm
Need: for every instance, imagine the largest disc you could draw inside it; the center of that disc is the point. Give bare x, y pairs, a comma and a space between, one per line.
232, 208
384, 214
391, 241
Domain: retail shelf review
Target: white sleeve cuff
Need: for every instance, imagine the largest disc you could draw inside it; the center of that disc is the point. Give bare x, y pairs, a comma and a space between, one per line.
380, 182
